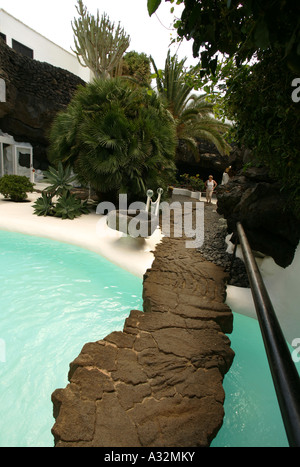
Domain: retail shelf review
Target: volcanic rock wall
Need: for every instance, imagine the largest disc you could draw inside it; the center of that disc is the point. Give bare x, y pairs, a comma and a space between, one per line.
210, 161
253, 198
35, 92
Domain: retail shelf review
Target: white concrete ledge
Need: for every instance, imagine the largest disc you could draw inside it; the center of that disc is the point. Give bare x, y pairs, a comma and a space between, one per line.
191, 194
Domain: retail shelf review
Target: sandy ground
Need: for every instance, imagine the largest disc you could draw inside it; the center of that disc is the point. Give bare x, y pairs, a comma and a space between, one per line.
88, 231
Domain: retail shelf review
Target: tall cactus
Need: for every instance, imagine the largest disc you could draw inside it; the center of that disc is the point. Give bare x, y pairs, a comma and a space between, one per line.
99, 45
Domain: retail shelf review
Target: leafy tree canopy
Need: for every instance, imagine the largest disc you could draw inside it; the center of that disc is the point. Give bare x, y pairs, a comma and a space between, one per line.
259, 95
137, 66
239, 28
266, 119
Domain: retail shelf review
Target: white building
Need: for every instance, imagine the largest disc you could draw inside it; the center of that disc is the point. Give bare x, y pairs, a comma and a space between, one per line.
28, 42
10, 153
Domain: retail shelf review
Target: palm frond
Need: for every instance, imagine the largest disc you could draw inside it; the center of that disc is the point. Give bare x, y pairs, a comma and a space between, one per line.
116, 136
193, 113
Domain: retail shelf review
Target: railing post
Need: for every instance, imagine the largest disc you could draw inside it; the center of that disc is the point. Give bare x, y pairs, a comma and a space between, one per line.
284, 373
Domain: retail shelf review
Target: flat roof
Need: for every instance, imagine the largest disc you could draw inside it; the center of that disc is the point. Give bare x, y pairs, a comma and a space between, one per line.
36, 32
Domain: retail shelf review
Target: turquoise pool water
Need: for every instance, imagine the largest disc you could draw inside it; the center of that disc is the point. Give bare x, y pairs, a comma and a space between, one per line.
55, 298
252, 415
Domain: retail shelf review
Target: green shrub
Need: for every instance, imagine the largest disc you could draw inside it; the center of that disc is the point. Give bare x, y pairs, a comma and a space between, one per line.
192, 181
196, 183
66, 207
15, 187
44, 205
69, 207
60, 179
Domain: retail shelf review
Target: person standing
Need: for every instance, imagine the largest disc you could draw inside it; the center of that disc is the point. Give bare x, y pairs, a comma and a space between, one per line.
225, 178
210, 185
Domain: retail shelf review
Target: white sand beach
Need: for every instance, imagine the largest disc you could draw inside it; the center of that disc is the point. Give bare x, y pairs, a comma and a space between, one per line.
88, 231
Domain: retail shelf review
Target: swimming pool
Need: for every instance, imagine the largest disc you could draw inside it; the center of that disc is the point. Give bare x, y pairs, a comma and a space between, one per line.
252, 415
56, 297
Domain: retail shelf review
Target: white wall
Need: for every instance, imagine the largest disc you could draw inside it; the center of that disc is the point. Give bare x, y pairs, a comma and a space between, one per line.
44, 50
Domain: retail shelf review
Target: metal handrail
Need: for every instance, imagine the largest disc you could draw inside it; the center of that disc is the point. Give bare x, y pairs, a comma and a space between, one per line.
284, 373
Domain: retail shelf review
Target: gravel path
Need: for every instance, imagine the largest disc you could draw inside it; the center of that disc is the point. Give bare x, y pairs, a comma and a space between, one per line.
214, 247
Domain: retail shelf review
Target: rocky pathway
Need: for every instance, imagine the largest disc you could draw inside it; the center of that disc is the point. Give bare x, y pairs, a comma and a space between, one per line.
158, 383
214, 248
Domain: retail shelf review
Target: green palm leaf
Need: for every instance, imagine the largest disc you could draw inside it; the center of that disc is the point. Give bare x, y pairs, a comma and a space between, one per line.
60, 179
119, 133
193, 113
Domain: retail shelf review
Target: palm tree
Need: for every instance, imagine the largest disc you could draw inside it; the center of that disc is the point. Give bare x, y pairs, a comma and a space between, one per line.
193, 113
117, 138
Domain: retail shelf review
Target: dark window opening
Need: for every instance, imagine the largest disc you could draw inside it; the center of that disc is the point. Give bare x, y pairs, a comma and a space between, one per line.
3, 36
24, 160
22, 49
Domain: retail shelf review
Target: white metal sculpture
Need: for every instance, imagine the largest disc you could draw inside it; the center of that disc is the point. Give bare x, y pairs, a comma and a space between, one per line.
153, 204
137, 220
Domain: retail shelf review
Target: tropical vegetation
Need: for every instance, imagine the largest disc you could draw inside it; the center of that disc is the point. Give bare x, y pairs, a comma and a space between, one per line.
99, 44
15, 187
193, 113
59, 180
117, 138
260, 42
69, 207
66, 205
136, 66
44, 205
117, 135
192, 181
268, 121
238, 29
